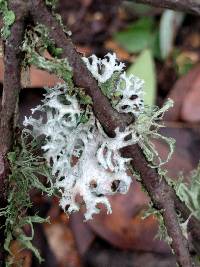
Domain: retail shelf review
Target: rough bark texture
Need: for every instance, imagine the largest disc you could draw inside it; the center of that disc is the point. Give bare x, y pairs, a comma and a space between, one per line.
188, 6
3, 175
9, 106
12, 76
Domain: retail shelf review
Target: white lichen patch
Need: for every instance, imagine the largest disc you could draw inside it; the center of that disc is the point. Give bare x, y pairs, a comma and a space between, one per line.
85, 161
132, 94
128, 91
103, 69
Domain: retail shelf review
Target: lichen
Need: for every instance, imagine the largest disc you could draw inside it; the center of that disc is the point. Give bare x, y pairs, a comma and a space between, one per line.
125, 92
36, 43
103, 69
147, 128
8, 19
162, 230
51, 3
26, 167
84, 159
190, 193
86, 162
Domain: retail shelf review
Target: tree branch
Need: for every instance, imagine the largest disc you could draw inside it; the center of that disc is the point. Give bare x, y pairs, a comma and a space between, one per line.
162, 197
12, 76
9, 107
188, 6
160, 192
82, 77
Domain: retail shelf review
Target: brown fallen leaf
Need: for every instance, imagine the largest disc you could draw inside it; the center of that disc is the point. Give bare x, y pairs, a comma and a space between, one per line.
125, 228
62, 243
83, 234
190, 110
179, 94
19, 255
121, 53
186, 154
102, 254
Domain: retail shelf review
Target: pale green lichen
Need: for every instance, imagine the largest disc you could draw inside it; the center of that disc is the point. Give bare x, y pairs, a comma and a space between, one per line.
190, 193
147, 127
162, 230
26, 167
8, 19
36, 43
51, 3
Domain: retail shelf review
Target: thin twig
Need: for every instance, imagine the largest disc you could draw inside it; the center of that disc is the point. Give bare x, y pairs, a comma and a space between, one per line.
162, 197
160, 192
188, 6
9, 106
12, 76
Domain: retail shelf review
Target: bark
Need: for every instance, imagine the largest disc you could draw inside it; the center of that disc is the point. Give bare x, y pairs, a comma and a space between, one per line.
12, 76
9, 105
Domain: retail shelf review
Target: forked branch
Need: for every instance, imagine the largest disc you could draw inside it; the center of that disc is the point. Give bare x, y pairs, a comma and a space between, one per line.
162, 195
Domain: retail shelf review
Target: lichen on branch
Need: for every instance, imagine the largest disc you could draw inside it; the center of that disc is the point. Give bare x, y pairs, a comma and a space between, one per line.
26, 168
35, 44
84, 159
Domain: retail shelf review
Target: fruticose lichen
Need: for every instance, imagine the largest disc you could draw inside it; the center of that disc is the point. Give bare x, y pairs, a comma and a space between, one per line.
25, 169
85, 161
190, 194
36, 44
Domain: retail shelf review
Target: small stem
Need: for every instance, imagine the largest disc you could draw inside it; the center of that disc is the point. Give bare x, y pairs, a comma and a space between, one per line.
12, 75
188, 6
